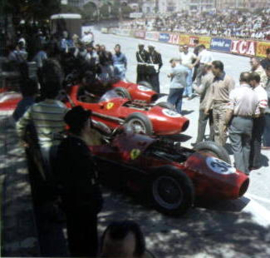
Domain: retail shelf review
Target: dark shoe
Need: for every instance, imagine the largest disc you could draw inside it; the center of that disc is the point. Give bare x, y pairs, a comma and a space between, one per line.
193, 144
190, 98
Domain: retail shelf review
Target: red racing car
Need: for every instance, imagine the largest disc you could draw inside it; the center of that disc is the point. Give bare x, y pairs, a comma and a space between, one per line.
172, 176
144, 118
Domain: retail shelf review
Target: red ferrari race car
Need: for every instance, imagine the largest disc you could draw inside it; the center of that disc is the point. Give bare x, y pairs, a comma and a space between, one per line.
172, 176
144, 118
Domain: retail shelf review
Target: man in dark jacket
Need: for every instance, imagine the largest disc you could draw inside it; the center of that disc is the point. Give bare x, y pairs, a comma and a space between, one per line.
76, 174
155, 63
142, 57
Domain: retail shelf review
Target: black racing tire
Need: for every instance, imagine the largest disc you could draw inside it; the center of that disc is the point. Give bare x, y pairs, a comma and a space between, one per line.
145, 84
171, 191
140, 123
213, 149
166, 105
122, 92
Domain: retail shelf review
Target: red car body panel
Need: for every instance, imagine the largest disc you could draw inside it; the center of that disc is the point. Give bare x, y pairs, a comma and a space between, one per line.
137, 91
163, 123
211, 177
9, 100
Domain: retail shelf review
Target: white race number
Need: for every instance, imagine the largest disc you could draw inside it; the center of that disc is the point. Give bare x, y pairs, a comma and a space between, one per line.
220, 166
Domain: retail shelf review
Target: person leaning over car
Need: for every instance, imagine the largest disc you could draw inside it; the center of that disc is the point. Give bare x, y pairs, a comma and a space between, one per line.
243, 106
76, 174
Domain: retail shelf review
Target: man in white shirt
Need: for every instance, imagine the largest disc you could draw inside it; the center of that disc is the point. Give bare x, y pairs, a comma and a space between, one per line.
259, 122
187, 59
205, 57
178, 77
88, 37
243, 106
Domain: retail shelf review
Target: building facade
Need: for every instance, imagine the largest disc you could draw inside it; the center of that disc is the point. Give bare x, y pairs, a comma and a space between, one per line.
202, 5
243, 4
165, 6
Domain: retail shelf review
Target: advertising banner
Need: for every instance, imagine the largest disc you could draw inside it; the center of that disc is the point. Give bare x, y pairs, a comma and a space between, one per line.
191, 40
150, 35
184, 40
139, 34
174, 39
220, 44
164, 37
205, 41
243, 47
261, 48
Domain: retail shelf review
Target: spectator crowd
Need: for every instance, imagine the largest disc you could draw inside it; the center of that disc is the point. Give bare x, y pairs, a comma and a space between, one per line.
227, 23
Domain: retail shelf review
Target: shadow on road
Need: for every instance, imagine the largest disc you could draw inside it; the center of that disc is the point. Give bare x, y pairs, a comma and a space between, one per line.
218, 230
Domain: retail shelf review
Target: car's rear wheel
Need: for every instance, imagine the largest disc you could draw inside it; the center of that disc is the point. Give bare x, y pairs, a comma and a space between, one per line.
122, 92
172, 192
145, 84
139, 123
213, 149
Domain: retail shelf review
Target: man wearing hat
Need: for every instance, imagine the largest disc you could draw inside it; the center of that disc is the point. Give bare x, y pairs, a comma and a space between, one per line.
155, 63
76, 174
142, 57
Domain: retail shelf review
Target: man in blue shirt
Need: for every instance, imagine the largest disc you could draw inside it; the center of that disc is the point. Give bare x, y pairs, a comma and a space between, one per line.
119, 63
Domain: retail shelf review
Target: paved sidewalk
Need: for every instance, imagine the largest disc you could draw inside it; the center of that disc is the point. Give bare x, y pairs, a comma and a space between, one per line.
19, 236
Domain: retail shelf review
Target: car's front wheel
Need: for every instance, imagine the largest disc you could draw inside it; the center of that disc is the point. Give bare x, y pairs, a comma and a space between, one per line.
122, 92
172, 192
139, 123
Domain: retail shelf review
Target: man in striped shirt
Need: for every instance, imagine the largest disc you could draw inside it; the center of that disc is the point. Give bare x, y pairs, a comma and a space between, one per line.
258, 122
47, 117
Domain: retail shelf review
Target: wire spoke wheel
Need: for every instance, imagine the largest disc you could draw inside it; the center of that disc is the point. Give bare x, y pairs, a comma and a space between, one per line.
137, 125
167, 192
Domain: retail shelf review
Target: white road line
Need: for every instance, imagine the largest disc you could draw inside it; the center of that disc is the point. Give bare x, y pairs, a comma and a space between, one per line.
260, 214
258, 198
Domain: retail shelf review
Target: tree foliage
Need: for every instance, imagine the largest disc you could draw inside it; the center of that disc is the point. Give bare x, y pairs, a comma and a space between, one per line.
31, 10
89, 11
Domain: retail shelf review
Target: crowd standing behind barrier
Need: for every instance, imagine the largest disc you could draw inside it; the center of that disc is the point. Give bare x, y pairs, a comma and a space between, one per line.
238, 46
